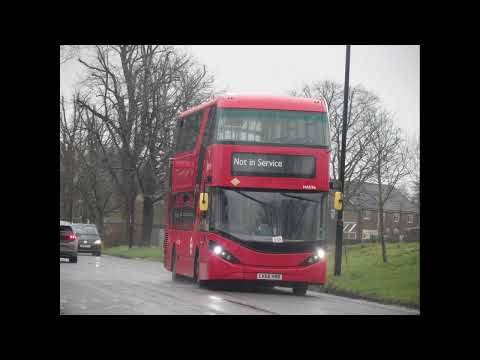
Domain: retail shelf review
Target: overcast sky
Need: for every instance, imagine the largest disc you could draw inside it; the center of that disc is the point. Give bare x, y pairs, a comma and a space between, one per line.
391, 72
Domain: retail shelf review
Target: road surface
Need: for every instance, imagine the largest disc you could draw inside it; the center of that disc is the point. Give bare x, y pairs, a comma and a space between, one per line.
110, 285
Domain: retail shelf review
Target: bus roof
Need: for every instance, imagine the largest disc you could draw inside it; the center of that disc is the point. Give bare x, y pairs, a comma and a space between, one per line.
262, 102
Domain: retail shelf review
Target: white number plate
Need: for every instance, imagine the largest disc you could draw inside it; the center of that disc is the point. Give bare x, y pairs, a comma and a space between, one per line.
84, 246
264, 276
277, 239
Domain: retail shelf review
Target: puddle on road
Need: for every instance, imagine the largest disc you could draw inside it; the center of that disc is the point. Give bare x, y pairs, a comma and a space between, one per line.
216, 307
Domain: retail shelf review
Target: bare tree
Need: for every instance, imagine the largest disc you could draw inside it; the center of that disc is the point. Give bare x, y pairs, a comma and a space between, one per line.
96, 183
136, 92
68, 52
81, 163
172, 82
362, 107
389, 164
414, 169
113, 78
69, 163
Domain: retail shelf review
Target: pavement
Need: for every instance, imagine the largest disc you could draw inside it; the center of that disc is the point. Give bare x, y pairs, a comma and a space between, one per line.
110, 285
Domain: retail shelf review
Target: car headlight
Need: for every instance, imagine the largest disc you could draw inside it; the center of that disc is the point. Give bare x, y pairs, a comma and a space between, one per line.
221, 252
98, 242
318, 254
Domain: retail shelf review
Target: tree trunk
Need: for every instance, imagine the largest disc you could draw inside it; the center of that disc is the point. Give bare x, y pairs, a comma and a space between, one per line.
70, 209
131, 221
382, 240
99, 223
149, 189
147, 221
83, 212
380, 207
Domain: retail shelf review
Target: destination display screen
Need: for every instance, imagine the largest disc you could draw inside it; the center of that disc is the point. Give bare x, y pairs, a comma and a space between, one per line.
273, 165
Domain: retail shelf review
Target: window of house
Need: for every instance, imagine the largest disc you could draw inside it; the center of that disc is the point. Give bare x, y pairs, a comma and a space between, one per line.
396, 217
410, 219
350, 235
366, 215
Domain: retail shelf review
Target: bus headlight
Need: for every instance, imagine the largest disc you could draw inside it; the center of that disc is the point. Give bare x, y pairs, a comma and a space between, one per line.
221, 252
319, 254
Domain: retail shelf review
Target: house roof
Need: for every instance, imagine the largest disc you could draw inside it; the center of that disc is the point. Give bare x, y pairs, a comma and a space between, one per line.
367, 195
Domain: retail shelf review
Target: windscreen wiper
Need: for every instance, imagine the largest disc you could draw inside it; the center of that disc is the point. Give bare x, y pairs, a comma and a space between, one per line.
251, 198
300, 198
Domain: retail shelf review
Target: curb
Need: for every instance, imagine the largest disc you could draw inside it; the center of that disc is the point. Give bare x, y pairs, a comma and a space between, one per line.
352, 295
133, 258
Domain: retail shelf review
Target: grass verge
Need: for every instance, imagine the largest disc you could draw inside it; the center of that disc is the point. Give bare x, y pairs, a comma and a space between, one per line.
149, 253
365, 276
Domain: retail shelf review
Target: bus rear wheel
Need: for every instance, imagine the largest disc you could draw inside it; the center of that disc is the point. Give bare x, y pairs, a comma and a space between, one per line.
196, 271
300, 290
174, 265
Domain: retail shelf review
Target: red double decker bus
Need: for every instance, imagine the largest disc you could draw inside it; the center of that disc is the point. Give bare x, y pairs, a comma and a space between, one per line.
248, 192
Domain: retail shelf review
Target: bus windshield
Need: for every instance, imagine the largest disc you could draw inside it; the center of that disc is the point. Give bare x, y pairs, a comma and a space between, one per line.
275, 127
260, 216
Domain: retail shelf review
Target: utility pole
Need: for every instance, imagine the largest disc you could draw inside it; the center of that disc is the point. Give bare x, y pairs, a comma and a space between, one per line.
339, 235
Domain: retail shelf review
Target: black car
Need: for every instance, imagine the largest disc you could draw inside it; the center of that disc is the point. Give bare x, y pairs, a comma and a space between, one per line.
89, 240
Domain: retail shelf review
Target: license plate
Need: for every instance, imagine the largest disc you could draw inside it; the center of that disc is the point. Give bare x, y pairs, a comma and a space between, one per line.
85, 246
264, 276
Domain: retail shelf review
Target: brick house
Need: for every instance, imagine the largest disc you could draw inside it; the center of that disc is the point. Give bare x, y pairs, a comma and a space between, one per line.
360, 217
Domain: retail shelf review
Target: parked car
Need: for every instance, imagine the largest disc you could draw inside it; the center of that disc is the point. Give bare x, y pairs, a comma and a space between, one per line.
89, 240
68, 242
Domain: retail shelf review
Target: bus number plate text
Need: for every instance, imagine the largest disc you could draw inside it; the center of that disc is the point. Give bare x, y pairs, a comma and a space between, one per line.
264, 276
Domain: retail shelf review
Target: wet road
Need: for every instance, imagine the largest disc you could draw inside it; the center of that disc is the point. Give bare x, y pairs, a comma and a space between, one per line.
109, 285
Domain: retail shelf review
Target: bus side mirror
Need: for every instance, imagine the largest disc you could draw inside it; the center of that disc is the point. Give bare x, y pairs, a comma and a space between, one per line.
338, 201
203, 201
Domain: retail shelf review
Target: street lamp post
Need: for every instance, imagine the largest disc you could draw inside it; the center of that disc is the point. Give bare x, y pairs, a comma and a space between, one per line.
339, 235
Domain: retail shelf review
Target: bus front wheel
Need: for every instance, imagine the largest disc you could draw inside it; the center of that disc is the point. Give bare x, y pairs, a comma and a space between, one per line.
300, 290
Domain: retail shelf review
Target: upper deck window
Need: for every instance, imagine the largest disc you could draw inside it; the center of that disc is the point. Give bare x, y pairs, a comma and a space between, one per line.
273, 127
187, 132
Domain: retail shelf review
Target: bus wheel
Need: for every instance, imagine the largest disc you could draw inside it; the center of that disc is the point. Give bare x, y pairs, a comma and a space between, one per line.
196, 267
300, 290
174, 265
196, 271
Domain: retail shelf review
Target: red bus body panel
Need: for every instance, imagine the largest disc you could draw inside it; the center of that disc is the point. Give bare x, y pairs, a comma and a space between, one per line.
217, 172
212, 267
